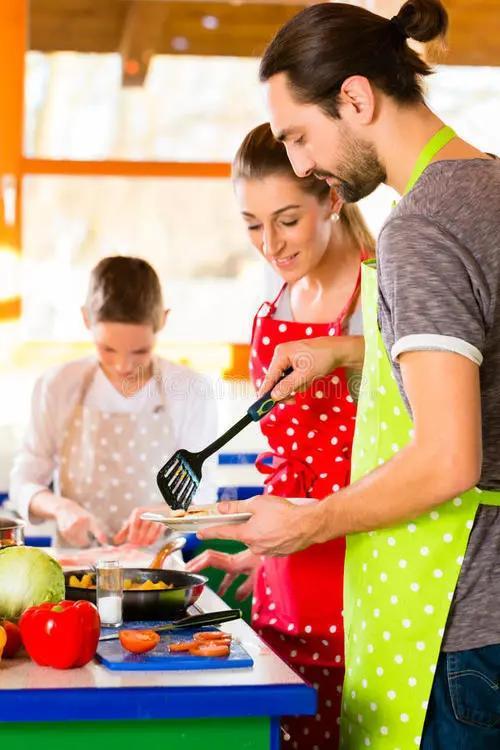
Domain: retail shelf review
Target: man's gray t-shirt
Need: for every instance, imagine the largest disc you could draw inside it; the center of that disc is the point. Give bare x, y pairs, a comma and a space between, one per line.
439, 282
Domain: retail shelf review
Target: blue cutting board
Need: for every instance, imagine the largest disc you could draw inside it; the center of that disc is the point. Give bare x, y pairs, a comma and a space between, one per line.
113, 656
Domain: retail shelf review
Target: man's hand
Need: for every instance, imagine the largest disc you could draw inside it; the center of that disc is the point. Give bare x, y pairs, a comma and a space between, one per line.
243, 563
310, 359
277, 527
441, 461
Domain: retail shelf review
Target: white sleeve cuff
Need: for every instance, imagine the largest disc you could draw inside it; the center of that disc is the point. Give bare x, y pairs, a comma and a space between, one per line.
26, 495
435, 342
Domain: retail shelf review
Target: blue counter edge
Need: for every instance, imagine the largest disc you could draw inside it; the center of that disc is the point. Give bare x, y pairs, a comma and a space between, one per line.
139, 703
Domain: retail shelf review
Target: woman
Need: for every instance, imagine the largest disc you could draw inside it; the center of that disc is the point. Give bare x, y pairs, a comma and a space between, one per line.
316, 244
102, 426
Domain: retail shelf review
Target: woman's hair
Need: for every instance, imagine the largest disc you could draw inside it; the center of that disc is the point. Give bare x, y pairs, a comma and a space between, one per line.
125, 290
325, 44
261, 155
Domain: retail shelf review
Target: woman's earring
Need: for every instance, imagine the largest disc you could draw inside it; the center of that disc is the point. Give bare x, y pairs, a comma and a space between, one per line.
335, 216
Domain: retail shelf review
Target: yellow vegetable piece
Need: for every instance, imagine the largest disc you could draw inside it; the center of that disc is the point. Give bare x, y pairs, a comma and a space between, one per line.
75, 582
3, 640
87, 580
147, 586
128, 583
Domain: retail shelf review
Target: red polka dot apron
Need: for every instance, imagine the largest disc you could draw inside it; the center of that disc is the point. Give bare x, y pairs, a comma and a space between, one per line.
298, 598
399, 582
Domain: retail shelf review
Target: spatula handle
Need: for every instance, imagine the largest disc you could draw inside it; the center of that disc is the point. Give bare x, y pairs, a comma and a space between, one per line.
208, 618
265, 403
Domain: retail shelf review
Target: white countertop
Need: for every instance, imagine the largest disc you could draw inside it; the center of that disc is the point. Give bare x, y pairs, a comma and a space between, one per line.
268, 669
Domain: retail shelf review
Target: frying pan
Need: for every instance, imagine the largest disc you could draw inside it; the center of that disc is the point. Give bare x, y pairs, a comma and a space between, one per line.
148, 605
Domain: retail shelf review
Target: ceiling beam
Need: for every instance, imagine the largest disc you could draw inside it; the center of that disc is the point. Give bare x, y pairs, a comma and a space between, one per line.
241, 28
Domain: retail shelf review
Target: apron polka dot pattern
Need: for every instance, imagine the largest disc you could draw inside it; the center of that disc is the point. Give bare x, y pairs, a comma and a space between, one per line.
399, 582
298, 598
109, 461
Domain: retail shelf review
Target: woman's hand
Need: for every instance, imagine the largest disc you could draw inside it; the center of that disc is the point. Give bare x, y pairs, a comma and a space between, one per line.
310, 359
136, 531
243, 563
75, 524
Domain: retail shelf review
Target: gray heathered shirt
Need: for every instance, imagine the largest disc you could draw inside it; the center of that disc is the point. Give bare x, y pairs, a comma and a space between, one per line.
439, 279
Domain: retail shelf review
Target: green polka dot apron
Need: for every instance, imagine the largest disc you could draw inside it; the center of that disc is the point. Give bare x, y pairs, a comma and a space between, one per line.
399, 582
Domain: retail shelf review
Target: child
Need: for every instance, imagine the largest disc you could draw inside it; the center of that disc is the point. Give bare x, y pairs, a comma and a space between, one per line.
102, 426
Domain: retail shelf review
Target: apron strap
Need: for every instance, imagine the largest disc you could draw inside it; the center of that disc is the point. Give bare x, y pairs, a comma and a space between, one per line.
271, 307
349, 306
86, 383
429, 151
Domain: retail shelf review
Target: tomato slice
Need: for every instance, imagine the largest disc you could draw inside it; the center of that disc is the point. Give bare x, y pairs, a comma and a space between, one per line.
139, 641
212, 635
181, 646
210, 648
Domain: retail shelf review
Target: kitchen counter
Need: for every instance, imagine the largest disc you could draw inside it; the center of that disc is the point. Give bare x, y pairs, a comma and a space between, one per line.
237, 708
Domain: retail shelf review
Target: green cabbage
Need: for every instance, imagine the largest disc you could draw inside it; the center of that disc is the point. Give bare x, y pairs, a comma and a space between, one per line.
28, 576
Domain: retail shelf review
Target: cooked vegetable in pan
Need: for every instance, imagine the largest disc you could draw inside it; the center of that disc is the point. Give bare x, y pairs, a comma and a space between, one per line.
87, 581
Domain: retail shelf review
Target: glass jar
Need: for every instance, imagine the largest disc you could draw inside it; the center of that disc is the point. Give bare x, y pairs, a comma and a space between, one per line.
109, 592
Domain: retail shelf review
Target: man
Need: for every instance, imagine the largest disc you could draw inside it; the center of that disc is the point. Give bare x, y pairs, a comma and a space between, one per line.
344, 95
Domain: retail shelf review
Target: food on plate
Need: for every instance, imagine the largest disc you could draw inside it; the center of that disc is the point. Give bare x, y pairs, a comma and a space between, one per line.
195, 510
210, 648
63, 635
28, 577
14, 640
139, 641
87, 581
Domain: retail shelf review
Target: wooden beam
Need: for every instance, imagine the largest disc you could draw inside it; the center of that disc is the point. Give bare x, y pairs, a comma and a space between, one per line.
118, 168
243, 29
145, 27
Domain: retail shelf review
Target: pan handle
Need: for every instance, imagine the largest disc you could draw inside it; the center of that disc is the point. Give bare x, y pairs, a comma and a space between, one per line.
208, 618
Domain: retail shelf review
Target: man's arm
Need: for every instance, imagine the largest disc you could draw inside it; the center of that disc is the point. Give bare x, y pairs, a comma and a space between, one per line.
442, 460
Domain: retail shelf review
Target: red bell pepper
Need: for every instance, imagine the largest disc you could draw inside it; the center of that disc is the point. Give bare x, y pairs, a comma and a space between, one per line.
63, 635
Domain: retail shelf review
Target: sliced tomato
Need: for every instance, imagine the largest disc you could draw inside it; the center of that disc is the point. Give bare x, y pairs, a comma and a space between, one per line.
181, 646
139, 641
212, 635
210, 648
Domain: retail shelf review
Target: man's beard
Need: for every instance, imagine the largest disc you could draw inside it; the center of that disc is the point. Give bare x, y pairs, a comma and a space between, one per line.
359, 172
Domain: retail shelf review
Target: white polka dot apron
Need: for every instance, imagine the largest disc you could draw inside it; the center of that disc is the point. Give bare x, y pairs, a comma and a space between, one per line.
399, 582
109, 461
298, 598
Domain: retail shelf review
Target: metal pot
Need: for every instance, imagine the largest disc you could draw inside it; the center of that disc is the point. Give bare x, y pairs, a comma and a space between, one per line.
11, 532
161, 604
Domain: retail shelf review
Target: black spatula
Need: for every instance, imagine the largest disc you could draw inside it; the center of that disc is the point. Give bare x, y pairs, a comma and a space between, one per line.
180, 477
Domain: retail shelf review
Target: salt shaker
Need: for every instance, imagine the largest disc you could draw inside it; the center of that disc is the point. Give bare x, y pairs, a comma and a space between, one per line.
109, 592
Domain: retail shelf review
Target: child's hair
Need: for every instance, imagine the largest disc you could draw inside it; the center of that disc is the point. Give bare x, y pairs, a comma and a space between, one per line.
125, 290
261, 155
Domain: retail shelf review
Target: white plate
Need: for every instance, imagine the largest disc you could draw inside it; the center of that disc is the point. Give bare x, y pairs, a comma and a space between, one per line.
196, 522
